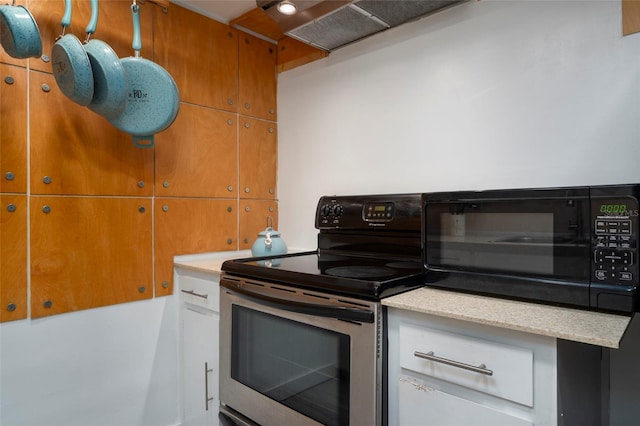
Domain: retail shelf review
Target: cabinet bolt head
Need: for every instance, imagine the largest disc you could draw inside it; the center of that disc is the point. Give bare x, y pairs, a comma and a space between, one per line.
8, 79
247, 125
141, 209
46, 209
230, 101
9, 176
45, 58
246, 105
11, 307
142, 289
230, 188
247, 209
246, 240
11, 208
247, 190
47, 304
271, 208
271, 190
165, 284
140, 184
46, 88
165, 184
229, 122
229, 209
165, 208
229, 241
272, 111
270, 129
46, 180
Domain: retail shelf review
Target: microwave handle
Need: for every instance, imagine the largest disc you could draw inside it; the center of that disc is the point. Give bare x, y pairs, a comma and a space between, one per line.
337, 312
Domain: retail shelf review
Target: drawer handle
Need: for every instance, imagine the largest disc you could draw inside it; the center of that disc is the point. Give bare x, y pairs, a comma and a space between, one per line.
482, 369
207, 398
193, 293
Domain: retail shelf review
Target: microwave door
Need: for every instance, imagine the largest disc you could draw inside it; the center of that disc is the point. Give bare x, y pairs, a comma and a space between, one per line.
538, 238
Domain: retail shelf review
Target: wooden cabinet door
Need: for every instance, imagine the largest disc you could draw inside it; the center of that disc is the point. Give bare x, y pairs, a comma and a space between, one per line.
114, 26
254, 217
13, 257
77, 152
201, 54
197, 156
13, 129
258, 158
89, 252
187, 226
258, 77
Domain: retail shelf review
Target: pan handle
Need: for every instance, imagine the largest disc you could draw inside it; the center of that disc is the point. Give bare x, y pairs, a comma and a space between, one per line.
137, 141
93, 22
137, 40
66, 18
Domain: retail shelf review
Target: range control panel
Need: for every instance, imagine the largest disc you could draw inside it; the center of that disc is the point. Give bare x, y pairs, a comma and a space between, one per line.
397, 212
614, 241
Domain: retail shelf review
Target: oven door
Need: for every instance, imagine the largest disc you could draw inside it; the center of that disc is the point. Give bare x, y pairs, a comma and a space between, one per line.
291, 356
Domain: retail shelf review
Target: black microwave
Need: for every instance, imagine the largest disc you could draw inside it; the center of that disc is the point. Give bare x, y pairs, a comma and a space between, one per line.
569, 246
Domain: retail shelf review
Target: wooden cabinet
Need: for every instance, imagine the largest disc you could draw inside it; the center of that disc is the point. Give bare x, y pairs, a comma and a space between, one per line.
258, 77
114, 26
258, 158
254, 216
13, 129
630, 17
201, 55
89, 252
77, 152
186, 226
13, 257
199, 346
197, 156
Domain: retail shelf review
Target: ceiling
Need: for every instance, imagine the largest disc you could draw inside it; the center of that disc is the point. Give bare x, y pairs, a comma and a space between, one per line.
325, 25
220, 10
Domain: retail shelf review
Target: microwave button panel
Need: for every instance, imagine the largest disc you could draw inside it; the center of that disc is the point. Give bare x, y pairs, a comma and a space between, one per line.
610, 227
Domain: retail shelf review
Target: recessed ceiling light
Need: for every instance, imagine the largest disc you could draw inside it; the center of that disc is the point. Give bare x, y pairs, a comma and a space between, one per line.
286, 8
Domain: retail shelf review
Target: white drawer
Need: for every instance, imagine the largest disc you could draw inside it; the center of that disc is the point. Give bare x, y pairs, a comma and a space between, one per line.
200, 291
511, 367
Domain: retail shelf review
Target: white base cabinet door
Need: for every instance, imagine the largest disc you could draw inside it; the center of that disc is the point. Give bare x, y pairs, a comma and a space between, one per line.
422, 405
199, 326
445, 372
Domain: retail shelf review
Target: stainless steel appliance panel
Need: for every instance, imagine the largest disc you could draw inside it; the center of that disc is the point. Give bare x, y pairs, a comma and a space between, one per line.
317, 356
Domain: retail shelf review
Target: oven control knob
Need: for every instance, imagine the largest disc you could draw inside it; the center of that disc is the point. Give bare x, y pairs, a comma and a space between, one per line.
326, 210
338, 210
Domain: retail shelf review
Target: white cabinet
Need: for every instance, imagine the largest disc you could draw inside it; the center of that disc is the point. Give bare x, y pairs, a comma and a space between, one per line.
449, 372
199, 342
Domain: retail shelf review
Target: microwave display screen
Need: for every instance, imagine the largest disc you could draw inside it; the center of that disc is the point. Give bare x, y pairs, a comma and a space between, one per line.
538, 238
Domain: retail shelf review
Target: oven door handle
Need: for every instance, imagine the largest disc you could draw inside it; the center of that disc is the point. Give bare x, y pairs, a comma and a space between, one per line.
337, 312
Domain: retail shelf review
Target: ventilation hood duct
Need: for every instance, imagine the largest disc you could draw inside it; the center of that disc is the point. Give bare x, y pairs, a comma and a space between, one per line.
330, 24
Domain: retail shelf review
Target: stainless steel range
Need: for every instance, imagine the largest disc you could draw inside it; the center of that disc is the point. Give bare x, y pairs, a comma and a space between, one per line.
302, 335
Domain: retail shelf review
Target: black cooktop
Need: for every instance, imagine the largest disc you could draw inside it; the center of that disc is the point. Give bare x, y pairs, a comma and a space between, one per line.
371, 278
369, 246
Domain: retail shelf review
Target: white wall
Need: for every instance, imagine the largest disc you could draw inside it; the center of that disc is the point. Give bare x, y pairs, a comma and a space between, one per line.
489, 94
112, 366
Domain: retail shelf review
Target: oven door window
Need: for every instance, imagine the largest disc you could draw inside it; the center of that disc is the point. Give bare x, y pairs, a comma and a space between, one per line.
306, 368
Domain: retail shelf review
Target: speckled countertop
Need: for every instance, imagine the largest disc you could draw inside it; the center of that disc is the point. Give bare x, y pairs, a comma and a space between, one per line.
208, 262
570, 324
